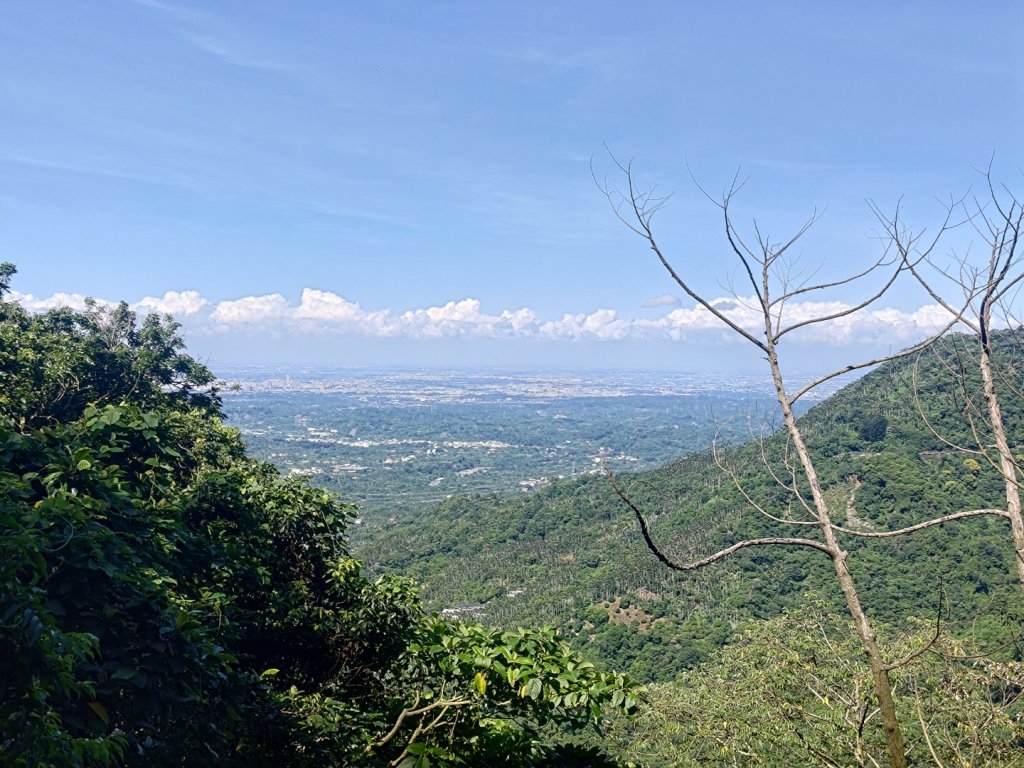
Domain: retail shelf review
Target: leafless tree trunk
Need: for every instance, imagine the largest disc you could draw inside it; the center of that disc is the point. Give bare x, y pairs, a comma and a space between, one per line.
765, 267
987, 290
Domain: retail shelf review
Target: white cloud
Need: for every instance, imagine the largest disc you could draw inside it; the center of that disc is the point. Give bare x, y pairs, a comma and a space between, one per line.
74, 301
236, 55
604, 324
178, 303
466, 318
251, 310
520, 321
325, 312
324, 305
453, 319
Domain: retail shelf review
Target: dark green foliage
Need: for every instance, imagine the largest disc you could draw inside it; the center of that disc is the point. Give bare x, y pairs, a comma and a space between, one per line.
872, 427
7, 272
166, 600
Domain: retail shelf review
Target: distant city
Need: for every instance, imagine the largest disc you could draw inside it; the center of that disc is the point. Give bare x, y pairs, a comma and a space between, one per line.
396, 386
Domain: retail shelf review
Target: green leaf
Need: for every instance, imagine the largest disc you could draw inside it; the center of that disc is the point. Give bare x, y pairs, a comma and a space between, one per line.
100, 710
533, 688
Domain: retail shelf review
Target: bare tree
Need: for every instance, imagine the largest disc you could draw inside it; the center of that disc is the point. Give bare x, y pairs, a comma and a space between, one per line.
988, 290
770, 273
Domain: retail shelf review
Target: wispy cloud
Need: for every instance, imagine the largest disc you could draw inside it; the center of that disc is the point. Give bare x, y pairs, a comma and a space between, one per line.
85, 169
237, 55
213, 36
335, 211
328, 313
179, 12
664, 300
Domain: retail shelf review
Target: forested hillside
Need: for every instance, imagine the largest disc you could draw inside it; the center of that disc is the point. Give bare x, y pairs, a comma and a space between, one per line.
572, 553
753, 660
166, 600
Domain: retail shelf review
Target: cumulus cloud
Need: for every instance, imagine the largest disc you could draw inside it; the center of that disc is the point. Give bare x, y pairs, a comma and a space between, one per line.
324, 305
604, 324
466, 318
177, 303
325, 312
74, 301
251, 310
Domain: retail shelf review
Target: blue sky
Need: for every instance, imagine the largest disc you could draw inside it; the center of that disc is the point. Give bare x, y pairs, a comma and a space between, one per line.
410, 182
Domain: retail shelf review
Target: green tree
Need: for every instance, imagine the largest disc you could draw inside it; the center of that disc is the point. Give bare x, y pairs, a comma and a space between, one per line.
166, 599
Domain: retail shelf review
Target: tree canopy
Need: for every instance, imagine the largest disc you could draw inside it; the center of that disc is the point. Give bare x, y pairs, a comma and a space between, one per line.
166, 599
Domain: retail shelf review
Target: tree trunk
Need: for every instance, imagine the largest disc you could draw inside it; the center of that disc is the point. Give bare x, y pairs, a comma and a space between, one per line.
1007, 464
868, 640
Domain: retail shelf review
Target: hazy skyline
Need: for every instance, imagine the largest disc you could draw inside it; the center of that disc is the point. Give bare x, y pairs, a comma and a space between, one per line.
411, 182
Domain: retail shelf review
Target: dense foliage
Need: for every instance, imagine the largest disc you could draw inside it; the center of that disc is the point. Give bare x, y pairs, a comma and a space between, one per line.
166, 600
793, 691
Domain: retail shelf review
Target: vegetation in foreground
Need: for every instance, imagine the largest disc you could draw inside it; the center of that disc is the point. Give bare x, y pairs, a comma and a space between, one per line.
794, 690
166, 600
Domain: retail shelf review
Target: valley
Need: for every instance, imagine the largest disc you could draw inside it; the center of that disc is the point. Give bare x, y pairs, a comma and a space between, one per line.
391, 441
443, 467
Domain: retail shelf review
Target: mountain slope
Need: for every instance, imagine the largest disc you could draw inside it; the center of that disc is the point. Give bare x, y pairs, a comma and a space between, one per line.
571, 553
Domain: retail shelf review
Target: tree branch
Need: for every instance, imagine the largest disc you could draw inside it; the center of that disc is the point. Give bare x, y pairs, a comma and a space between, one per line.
413, 712
721, 554
922, 526
868, 363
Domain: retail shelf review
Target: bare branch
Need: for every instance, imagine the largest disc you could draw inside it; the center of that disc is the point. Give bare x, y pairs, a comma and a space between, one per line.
721, 554
749, 499
882, 261
792, 487
931, 641
905, 243
868, 363
644, 206
843, 313
987, 653
924, 417
921, 526
926, 731
413, 712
